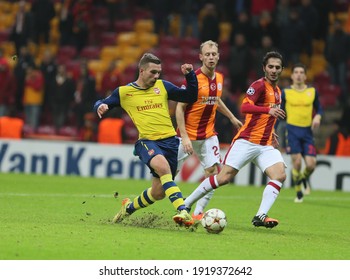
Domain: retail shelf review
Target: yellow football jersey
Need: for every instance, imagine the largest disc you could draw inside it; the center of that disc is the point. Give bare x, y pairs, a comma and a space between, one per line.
148, 108
299, 105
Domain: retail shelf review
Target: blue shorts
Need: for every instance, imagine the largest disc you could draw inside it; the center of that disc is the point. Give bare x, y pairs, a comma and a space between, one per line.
147, 149
300, 140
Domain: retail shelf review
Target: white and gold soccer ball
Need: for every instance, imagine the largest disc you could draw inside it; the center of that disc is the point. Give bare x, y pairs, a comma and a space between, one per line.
214, 220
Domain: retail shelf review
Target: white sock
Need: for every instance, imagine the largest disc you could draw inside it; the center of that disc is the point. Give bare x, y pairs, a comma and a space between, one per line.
202, 203
204, 187
269, 196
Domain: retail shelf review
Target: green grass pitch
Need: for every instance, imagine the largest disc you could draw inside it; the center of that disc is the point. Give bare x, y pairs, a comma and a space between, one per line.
69, 218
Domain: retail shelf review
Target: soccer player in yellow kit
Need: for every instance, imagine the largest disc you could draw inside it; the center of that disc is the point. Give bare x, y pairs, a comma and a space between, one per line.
299, 102
146, 102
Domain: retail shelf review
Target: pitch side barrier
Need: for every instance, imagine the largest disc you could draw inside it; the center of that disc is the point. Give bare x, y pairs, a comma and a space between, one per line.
117, 161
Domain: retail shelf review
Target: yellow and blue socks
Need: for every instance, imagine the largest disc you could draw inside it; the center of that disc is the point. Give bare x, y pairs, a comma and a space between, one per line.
173, 192
143, 200
306, 173
297, 177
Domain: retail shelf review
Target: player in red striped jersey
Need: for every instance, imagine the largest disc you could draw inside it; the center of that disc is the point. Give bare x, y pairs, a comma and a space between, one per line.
196, 121
255, 142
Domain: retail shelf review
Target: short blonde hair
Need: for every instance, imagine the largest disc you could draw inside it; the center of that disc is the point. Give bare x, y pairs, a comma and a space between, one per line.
210, 43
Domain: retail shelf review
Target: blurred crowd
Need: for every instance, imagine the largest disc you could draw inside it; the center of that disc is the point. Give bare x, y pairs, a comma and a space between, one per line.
44, 92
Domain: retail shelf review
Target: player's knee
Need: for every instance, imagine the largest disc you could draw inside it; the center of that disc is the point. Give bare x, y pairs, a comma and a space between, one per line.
311, 166
162, 169
297, 165
160, 165
211, 171
282, 177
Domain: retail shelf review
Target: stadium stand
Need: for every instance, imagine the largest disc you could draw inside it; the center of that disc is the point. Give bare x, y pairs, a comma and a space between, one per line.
127, 37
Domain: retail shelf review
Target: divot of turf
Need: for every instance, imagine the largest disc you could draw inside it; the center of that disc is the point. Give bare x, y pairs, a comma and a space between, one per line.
149, 220
153, 220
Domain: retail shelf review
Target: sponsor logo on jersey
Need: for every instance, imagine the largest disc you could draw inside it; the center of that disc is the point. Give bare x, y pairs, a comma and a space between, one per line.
209, 100
149, 107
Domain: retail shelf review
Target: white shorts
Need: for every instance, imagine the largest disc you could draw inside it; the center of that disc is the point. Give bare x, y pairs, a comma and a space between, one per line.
243, 152
207, 151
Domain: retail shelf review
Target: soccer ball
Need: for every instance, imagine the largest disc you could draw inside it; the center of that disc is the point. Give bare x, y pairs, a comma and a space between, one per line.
214, 220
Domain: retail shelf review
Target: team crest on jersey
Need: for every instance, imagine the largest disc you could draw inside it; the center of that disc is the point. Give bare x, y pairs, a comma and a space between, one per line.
250, 91
150, 152
156, 90
212, 86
